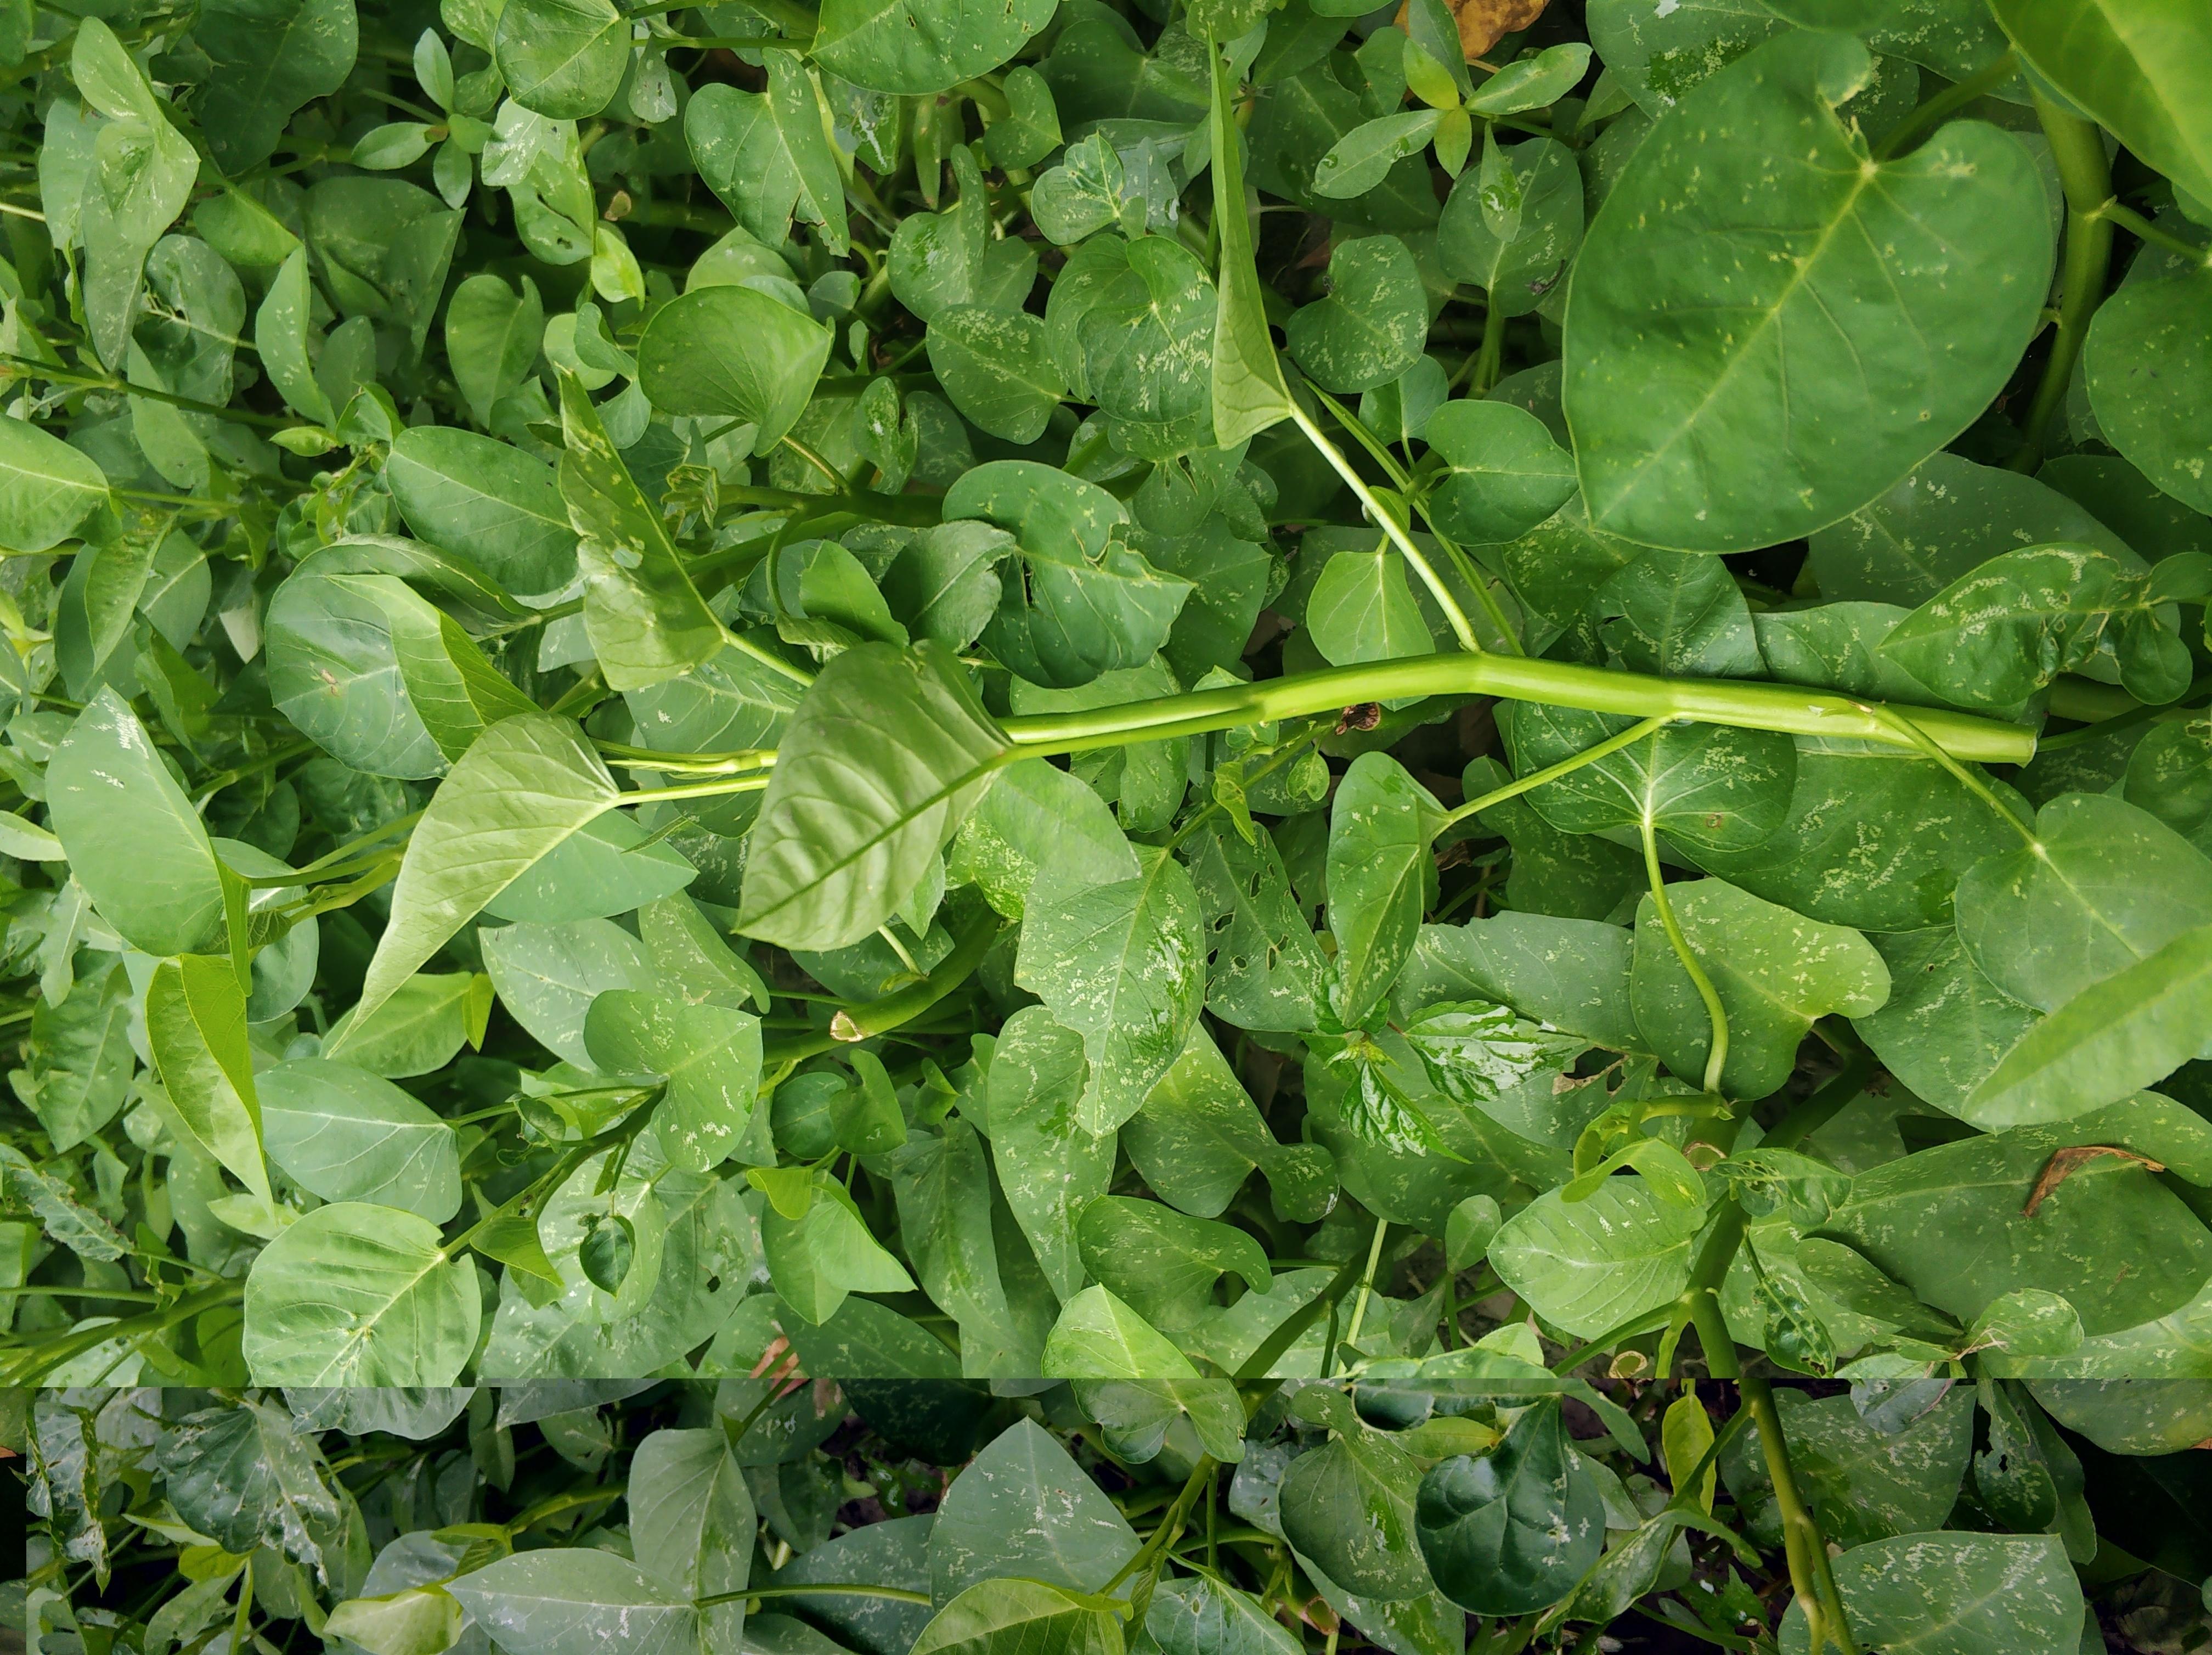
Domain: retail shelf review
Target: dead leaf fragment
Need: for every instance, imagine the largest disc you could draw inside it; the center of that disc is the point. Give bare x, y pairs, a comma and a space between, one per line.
1484, 23
2066, 1162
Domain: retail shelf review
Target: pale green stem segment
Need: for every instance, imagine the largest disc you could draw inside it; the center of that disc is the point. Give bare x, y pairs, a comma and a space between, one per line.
1462, 628
1472, 575
1366, 1289
1627, 737
767, 658
1813, 1581
1744, 705
2143, 230
1908, 725
839, 1588
1717, 1058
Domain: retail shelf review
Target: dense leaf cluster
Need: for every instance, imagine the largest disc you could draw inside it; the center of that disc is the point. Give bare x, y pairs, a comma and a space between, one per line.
1483, 1514
1151, 695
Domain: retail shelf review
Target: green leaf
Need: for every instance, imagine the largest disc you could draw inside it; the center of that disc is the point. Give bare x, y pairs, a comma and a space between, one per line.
1943, 520
887, 753
2145, 365
1362, 609
692, 1521
1035, 817
1877, 837
1199, 1137
562, 58
1372, 326
246, 1478
528, 783
709, 1054
1945, 1025
1588, 1266
282, 329
646, 620
1246, 382
995, 366
426, 1019
1512, 225
1949, 242
1952, 1222
1705, 787
1503, 475
1162, 1263
1023, 1508
1861, 1482
1099, 1337
2126, 1032
1122, 964
1515, 1531
1020, 1617
341, 1134
1048, 1164
922, 45
1474, 1051
2132, 68
492, 338
1363, 157
548, 976
270, 57
767, 156
1381, 823
418, 1621
134, 842
1995, 637
1348, 1505
815, 1260
951, 1221
487, 501
2101, 886
1954, 1594
358, 1295
1776, 971
568, 1602
733, 352
1264, 970
47, 488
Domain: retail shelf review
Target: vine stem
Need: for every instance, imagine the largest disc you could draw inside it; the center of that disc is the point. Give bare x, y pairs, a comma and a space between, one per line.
1716, 1059
1366, 1287
1462, 628
1627, 737
1922, 122
1743, 704
2079, 148
1807, 1553
838, 1588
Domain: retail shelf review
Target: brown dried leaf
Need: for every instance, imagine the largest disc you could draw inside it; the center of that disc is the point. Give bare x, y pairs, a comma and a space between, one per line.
1484, 23
2066, 1162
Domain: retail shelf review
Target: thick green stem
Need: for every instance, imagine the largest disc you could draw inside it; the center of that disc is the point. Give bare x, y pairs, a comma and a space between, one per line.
1751, 706
1813, 1581
1461, 628
2079, 148
855, 1023
32, 1365
1715, 1058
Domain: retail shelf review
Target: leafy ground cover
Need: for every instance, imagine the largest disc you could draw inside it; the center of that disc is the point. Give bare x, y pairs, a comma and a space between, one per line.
1469, 1516
1154, 697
